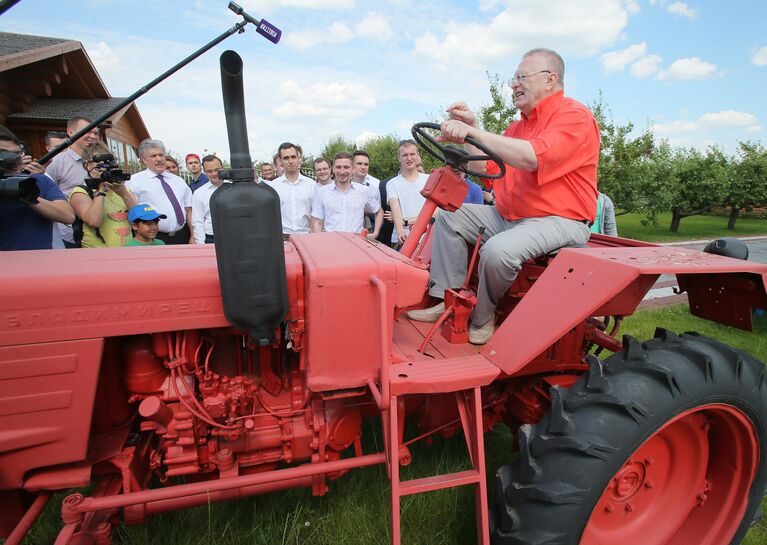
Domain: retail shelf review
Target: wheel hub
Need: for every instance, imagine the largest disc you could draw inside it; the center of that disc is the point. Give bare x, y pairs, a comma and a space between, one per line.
628, 481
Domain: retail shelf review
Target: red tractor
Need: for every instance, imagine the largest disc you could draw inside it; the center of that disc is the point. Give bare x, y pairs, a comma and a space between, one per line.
226, 370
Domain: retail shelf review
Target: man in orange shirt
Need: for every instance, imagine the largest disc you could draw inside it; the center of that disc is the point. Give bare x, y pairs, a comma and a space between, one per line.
546, 200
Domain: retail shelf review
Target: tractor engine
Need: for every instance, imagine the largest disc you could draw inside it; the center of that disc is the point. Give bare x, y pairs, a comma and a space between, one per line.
219, 406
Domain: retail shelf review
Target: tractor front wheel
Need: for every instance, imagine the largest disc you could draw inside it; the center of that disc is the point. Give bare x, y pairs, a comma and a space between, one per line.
664, 443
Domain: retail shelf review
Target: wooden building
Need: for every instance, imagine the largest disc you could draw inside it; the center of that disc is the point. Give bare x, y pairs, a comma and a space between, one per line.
46, 81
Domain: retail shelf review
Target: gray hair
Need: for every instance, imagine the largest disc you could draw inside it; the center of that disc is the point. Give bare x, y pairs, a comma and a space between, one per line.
148, 144
557, 64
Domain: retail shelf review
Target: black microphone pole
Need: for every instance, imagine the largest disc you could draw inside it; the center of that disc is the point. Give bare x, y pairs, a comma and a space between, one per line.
263, 27
5, 5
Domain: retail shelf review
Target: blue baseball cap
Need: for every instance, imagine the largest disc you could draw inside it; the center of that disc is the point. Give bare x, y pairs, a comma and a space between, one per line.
144, 212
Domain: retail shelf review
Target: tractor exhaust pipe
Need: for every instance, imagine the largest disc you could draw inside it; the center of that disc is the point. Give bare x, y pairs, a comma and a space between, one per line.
247, 227
234, 111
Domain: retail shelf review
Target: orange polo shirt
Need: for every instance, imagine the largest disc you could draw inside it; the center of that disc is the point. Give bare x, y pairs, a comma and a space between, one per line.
565, 137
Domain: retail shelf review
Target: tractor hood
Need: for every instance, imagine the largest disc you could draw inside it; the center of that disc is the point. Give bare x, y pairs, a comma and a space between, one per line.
58, 295
55, 295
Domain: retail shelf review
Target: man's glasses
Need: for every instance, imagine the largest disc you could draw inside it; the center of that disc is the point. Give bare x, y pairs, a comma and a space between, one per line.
519, 78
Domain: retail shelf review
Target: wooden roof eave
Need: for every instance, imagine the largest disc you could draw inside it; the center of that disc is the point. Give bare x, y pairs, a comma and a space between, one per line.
15, 60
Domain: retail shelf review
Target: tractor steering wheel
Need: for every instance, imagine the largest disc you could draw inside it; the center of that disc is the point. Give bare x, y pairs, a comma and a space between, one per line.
456, 157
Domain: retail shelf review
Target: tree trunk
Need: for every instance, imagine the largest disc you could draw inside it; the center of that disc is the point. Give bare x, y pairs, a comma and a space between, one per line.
734, 213
676, 219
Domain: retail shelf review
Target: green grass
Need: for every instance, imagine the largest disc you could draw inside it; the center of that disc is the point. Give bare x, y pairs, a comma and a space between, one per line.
355, 511
692, 228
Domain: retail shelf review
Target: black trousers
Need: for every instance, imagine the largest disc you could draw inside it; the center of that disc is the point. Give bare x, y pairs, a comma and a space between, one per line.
179, 237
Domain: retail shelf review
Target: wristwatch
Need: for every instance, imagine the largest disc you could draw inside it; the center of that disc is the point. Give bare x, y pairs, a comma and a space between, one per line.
99, 194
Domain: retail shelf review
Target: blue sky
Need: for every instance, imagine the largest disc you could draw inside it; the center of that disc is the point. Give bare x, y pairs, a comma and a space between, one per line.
694, 71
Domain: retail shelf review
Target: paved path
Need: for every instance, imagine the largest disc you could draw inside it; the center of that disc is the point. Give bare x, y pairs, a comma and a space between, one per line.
662, 293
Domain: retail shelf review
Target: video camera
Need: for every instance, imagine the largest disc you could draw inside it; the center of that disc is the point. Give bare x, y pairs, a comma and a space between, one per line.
13, 186
111, 173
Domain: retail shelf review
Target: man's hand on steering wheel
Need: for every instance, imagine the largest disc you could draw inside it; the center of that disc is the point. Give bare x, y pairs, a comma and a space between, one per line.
453, 130
457, 131
459, 123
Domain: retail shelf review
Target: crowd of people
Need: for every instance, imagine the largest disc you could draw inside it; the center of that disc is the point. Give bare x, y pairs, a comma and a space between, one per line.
341, 195
547, 199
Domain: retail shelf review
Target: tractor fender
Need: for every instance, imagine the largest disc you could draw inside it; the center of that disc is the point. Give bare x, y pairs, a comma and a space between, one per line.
584, 282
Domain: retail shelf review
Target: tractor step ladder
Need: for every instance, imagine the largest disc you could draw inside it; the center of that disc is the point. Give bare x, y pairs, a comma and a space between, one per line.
464, 377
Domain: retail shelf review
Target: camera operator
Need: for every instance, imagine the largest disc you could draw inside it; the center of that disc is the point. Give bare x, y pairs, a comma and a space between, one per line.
23, 225
101, 206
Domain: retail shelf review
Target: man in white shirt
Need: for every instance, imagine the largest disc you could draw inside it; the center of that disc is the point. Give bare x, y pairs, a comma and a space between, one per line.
67, 170
404, 191
361, 169
296, 191
340, 206
167, 193
201, 220
267, 172
322, 171
361, 176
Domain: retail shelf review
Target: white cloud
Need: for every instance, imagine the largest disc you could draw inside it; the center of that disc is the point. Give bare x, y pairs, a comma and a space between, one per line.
760, 57
364, 137
183, 136
646, 66
680, 9
728, 118
486, 5
375, 26
615, 61
642, 65
632, 6
268, 6
689, 68
712, 120
675, 127
333, 102
103, 56
518, 28
316, 4
337, 33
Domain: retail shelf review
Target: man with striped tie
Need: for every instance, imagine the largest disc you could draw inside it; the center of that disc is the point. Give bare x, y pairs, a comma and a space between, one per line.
165, 192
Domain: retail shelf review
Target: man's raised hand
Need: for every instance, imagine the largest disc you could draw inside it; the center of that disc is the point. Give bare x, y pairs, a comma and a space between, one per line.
461, 112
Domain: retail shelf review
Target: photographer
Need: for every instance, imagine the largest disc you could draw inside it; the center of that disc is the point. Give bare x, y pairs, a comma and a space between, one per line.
27, 225
101, 206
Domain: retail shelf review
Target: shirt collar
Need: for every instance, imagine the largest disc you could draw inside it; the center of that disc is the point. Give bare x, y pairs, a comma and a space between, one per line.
73, 154
334, 187
545, 106
298, 180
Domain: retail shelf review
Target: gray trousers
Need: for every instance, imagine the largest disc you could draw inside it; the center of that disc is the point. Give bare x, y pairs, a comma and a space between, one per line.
506, 245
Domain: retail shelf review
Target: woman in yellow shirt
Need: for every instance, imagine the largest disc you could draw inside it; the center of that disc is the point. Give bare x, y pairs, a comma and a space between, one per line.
104, 213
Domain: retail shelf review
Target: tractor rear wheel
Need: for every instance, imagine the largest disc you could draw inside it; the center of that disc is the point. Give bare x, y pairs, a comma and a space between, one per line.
664, 443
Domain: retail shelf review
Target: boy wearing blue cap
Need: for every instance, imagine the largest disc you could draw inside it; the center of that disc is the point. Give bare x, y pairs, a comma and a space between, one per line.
144, 220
